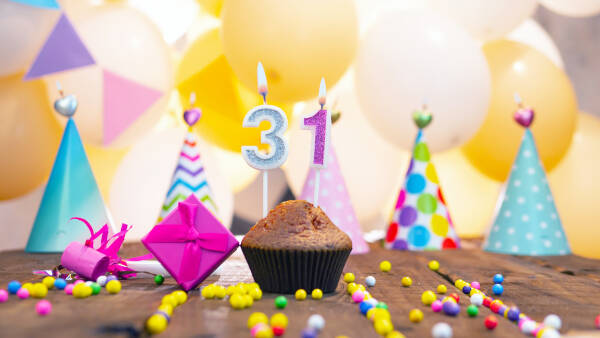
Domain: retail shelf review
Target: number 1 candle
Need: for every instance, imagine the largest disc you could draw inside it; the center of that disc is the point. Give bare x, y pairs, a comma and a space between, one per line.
320, 124
278, 151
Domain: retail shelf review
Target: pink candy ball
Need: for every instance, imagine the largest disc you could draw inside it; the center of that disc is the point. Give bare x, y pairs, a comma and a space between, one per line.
69, 289
23, 293
43, 307
436, 306
358, 296
475, 285
256, 328
78, 281
3, 295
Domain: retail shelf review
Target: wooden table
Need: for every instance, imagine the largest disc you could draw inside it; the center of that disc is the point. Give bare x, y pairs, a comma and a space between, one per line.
567, 286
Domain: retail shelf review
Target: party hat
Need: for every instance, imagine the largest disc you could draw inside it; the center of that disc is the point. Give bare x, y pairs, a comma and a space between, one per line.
421, 220
189, 176
335, 200
527, 222
71, 192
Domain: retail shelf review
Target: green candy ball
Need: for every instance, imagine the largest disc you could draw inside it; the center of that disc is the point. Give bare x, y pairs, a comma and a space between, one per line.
381, 305
95, 288
280, 302
472, 310
159, 279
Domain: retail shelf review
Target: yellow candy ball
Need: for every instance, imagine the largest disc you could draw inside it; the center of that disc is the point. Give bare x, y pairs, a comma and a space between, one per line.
266, 332
254, 285
81, 290
415, 315
181, 296
40, 290
169, 299
257, 317
230, 290
113, 287
300, 294
28, 287
361, 287
442, 289
279, 319
446, 299
428, 297
351, 288
434, 265
367, 295
473, 291
383, 326
395, 334
381, 313
255, 293
237, 301
220, 292
166, 308
49, 282
370, 313
406, 281
349, 277
385, 266
241, 289
208, 292
459, 283
316, 294
156, 324
248, 300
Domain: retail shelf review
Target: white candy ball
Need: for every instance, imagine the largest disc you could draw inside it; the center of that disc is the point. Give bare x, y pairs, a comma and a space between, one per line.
316, 322
477, 299
441, 330
528, 327
550, 333
553, 321
101, 280
372, 301
88, 283
370, 281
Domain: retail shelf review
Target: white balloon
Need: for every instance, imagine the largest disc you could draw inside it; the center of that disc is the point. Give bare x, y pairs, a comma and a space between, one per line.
409, 58
23, 30
372, 168
531, 33
173, 18
485, 20
142, 179
575, 8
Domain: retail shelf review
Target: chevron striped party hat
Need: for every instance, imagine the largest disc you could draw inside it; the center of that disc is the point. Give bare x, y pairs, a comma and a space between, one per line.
421, 220
189, 176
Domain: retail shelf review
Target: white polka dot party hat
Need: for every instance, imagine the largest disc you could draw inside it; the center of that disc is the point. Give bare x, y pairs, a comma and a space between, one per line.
421, 220
526, 221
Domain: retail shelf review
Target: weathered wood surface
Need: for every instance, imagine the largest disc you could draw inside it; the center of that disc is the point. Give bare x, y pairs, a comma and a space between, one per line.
567, 286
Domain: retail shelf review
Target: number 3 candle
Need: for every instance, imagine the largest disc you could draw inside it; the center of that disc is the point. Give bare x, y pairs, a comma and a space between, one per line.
278, 152
320, 124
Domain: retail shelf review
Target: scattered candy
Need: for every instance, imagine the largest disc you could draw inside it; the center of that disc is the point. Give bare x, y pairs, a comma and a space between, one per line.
497, 289
95, 288
459, 283
448, 298
157, 323
237, 301
455, 296
415, 315
498, 278
49, 282
278, 331
43, 307
309, 333
451, 308
23, 293
442, 289
394, 334
69, 289
349, 277
82, 290
280, 302
441, 330
477, 299
166, 308
476, 285
528, 326
381, 305
351, 288
13, 287
597, 321
78, 281
39, 290
111, 277
487, 301
472, 310
180, 296
257, 327
364, 307
434, 265
3, 295
255, 293
358, 296
316, 322
436, 306
406, 281
318, 294
28, 286
549, 332
428, 297
553, 321
370, 281
101, 280
495, 305
490, 322
113, 286
280, 320
300, 294
385, 266
466, 289
159, 279
208, 292
248, 300
257, 317
513, 314
60, 283
383, 326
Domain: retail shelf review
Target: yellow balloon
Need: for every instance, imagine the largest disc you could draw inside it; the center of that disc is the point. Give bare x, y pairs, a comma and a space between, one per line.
29, 136
575, 186
518, 68
298, 42
104, 163
212, 7
223, 99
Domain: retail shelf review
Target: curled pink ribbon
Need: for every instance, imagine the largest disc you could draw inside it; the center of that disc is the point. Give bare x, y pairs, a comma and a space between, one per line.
195, 242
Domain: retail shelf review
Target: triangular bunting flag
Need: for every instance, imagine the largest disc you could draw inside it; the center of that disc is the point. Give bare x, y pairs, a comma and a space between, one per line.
124, 102
335, 200
527, 222
49, 4
421, 220
189, 176
71, 192
63, 50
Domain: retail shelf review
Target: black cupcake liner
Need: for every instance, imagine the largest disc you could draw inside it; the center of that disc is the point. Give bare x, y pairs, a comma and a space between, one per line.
285, 271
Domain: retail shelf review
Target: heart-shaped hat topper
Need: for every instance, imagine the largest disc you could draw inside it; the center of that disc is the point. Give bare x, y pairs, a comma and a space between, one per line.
191, 116
66, 105
524, 116
422, 118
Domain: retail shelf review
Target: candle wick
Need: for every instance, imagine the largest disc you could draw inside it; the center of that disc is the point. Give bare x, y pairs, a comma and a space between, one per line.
264, 96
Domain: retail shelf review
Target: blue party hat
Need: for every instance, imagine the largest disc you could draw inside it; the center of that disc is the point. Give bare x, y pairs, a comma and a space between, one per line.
527, 222
71, 191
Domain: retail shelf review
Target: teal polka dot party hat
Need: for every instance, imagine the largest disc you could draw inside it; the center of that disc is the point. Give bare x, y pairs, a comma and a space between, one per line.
421, 220
526, 221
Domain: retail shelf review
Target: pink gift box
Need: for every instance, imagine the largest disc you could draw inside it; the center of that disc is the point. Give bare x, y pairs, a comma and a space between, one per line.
190, 243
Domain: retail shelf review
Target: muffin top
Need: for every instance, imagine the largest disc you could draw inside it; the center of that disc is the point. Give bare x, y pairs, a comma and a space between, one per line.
296, 225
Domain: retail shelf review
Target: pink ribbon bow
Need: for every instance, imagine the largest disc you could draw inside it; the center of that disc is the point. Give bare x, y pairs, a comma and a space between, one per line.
195, 242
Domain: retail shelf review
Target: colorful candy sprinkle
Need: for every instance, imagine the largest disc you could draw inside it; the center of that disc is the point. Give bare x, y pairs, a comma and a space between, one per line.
436, 306
157, 323
318, 294
477, 299
180, 296
370, 281
300, 294
455, 296
3, 295
349, 277
101, 280
476, 285
43, 307
385, 266
358, 296
383, 326
316, 322
23, 293
351, 288
442, 289
60, 283
49, 282
497, 289
113, 286
451, 308
434, 265
364, 307
490, 322
498, 278
441, 330
237, 301
280, 302
256, 318
279, 319
472, 310
415, 315
406, 281
13, 287
553, 321
159, 279
39, 290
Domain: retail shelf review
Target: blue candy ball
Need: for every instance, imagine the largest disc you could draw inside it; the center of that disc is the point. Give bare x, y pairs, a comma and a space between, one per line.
498, 278
451, 308
466, 289
60, 283
14, 286
502, 309
497, 289
513, 314
364, 307
309, 333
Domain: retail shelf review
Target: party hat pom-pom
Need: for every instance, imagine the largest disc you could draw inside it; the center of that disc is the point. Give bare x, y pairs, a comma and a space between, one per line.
422, 118
191, 116
335, 116
65, 105
524, 115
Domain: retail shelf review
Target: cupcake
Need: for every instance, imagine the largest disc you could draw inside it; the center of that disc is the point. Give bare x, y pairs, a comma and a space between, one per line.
296, 247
